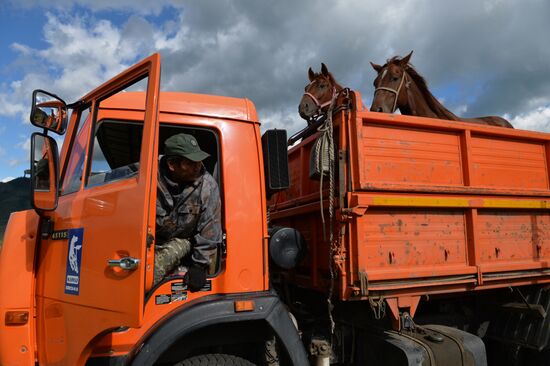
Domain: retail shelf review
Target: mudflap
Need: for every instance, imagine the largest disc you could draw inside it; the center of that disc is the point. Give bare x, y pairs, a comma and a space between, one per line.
427, 345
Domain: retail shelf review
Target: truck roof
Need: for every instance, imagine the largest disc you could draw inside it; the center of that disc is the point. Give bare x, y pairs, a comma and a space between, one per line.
188, 103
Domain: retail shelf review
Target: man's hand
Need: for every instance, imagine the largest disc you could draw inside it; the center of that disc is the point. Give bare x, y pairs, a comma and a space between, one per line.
196, 277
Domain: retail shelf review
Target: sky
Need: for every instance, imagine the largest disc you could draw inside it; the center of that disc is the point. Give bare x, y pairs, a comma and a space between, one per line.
479, 57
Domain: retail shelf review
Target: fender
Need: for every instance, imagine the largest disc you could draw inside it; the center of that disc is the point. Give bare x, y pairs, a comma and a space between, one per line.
221, 309
17, 269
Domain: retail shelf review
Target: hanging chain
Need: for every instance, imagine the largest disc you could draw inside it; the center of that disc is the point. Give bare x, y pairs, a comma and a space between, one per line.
378, 307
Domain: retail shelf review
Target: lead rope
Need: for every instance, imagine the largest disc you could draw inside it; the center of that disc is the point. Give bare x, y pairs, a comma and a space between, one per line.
328, 141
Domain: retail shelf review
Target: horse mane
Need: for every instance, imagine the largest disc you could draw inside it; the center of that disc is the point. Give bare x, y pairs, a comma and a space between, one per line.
436, 106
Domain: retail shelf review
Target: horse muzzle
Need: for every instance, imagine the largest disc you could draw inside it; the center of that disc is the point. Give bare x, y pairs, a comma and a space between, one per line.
307, 107
380, 109
381, 103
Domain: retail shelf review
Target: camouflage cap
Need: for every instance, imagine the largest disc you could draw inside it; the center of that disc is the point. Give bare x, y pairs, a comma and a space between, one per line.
184, 145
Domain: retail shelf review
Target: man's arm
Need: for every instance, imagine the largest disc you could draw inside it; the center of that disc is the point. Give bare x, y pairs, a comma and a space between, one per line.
168, 256
209, 227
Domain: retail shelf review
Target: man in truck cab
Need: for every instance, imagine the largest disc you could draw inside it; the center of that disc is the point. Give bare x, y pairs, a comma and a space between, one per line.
188, 212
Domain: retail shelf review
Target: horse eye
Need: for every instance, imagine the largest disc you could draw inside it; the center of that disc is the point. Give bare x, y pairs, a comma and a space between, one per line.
395, 78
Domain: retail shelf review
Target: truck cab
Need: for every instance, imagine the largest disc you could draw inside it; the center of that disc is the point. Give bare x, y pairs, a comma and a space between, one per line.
84, 258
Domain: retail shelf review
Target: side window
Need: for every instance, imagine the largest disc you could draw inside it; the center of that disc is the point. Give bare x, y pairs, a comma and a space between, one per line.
75, 167
116, 150
194, 219
116, 144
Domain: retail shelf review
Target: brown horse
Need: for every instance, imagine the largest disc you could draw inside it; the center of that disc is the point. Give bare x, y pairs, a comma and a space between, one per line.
322, 91
399, 86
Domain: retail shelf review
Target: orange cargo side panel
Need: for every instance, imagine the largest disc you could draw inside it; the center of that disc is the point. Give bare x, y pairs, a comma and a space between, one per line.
409, 243
514, 237
406, 156
508, 163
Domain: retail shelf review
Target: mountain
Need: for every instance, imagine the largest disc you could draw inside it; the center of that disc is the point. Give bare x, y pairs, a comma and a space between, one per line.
14, 196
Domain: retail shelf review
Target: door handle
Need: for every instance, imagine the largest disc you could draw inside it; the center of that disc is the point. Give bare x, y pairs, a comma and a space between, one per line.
127, 263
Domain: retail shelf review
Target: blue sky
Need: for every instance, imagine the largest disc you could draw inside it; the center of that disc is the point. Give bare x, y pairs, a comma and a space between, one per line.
480, 57
17, 26
22, 28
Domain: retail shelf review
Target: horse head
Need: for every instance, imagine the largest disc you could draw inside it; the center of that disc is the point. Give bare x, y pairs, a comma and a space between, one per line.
319, 94
391, 85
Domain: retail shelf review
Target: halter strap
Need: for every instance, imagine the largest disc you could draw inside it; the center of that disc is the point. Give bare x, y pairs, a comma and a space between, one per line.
318, 104
396, 92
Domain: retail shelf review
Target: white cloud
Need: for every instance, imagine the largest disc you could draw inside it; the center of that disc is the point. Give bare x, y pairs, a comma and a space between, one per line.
21, 48
461, 109
10, 108
84, 49
288, 119
16, 162
262, 50
7, 179
138, 6
538, 119
82, 52
25, 144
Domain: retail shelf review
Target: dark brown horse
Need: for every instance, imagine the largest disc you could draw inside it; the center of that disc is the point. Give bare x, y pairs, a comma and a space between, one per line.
399, 86
322, 91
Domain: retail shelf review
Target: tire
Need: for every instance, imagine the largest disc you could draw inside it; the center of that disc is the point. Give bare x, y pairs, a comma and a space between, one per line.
215, 359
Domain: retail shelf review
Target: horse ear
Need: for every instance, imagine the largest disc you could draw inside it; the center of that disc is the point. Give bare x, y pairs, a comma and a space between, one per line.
324, 69
405, 60
376, 67
311, 74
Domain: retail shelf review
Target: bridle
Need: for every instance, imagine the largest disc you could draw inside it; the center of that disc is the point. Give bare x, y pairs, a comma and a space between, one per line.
318, 104
317, 119
396, 92
331, 102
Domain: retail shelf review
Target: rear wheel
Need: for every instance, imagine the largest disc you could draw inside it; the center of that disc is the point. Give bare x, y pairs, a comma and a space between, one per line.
215, 359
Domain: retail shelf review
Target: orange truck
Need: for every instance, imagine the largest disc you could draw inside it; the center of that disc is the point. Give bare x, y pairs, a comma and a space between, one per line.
426, 242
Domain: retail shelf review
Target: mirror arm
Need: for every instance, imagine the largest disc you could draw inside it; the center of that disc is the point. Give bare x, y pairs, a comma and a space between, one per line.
46, 227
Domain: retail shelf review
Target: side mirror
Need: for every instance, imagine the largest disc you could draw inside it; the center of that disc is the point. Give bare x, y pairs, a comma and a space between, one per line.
44, 172
274, 146
49, 111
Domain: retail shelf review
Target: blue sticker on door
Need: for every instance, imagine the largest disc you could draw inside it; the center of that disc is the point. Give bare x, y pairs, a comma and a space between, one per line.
74, 260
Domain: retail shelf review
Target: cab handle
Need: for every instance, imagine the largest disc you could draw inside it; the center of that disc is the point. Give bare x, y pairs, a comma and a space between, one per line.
127, 263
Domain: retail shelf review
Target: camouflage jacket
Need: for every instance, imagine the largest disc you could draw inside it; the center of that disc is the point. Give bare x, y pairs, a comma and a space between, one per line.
190, 211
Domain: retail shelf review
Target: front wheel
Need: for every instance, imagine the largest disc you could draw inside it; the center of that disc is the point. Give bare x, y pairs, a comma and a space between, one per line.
215, 359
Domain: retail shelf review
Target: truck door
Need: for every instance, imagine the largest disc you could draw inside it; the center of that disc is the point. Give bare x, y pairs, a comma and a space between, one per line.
92, 266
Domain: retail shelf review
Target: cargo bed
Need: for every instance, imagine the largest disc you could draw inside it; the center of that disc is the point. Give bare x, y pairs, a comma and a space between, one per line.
423, 206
